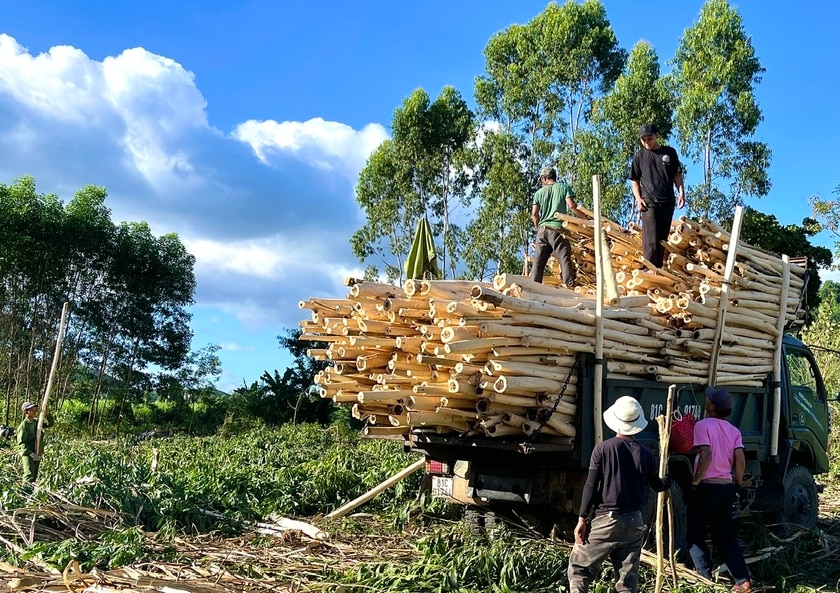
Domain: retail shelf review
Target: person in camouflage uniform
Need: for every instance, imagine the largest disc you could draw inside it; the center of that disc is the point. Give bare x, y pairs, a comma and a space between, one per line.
26, 435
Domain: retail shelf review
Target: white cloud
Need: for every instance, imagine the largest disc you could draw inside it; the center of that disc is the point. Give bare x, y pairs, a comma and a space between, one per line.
264, 257
234, 347
242, 201
146, 102
327, 145
63, 82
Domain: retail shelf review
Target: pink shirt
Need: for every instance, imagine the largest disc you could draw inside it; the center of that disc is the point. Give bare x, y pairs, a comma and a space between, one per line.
723, 439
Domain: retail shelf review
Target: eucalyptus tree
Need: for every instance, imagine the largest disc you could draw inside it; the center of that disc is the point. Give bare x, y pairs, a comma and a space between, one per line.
153, 283
391, 210
32, 245
823, 335
765, 231
128, 291
639, 95
501, 226
420, 172
826, 212
715, 72
539, 86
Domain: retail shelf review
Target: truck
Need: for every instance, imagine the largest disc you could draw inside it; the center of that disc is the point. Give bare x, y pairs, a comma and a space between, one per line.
540, 481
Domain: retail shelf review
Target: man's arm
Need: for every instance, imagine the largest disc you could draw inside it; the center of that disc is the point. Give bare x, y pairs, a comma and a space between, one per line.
587, 502
740, 465
704, 454
535, 215
637, 193
678, 181
571, 206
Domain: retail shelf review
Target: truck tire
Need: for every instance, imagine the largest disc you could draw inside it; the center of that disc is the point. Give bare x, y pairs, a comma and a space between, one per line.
478, 520
680, 522
800, 499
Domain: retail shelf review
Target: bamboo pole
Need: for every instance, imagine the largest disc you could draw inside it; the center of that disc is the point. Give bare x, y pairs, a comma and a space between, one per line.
664, 437
356, 502
599, 315
724, 292
777, 365
39, 432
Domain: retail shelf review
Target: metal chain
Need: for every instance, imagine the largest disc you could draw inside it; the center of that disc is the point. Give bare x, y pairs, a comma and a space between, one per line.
526, 446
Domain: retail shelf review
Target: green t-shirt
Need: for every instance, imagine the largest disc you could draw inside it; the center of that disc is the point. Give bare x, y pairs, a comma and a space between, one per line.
552, 198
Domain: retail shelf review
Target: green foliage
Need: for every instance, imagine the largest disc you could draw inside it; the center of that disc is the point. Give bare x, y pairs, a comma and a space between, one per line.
502, 225
823, 335
764, 231
452, 560
114, 548
827, 215
640, 95
714, 74
418, 173
540, 84
128, 291
210, 483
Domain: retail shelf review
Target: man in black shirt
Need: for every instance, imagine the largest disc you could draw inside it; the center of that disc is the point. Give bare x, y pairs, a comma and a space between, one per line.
655, 171
621, 470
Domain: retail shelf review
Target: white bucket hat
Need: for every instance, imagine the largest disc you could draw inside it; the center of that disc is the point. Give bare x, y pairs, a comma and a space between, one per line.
626, 416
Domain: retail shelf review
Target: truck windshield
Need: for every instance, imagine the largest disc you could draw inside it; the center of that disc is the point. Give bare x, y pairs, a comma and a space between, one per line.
802, 376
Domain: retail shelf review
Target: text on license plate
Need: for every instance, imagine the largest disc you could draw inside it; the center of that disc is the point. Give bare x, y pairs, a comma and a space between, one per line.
441, 486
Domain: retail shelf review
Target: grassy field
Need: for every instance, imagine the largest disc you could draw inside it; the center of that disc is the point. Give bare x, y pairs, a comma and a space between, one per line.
120, 513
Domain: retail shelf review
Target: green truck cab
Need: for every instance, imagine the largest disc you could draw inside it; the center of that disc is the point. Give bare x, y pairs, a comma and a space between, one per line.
542, 479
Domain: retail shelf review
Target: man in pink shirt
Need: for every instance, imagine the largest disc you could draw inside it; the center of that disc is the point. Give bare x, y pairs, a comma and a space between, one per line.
718, 470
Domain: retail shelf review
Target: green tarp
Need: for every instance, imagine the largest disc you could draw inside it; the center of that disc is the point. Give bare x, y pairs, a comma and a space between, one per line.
422, 259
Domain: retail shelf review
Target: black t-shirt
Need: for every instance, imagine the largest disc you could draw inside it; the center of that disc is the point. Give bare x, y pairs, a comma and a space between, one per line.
655, 171
624, 469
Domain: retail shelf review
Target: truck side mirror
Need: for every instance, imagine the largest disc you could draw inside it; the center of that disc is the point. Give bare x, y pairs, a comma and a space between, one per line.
836, 397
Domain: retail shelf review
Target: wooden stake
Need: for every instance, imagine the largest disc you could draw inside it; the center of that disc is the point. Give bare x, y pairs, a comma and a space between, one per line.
39, 433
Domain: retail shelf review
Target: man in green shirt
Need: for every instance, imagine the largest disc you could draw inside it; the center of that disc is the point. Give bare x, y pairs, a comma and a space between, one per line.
552, 197
26, 439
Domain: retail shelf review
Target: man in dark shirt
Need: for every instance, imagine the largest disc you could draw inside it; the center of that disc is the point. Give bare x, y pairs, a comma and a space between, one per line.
655, 171
621, 470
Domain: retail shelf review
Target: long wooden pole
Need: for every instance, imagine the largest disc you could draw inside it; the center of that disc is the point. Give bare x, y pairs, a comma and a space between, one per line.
56, 356
777, 361
724, 292
356, 502
664, 434
598, 406
610, 286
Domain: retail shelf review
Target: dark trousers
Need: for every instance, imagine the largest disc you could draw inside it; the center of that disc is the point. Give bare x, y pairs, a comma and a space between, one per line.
710, 509
656, 224
618, 537
553, 241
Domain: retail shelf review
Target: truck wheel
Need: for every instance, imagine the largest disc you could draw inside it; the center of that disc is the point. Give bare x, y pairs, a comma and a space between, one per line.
680, 522
800, 502
476, 520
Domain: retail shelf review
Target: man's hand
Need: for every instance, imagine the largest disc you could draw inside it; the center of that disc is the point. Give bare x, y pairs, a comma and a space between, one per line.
640, 204
681, 201
35, 457
581, 531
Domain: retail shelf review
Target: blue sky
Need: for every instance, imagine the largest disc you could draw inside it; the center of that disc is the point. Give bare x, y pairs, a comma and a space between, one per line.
242, 125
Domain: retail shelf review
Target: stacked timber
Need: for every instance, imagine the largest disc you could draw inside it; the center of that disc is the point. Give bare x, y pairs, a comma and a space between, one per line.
499, 359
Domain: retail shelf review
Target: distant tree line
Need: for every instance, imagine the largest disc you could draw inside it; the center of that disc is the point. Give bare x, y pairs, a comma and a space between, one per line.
128, 330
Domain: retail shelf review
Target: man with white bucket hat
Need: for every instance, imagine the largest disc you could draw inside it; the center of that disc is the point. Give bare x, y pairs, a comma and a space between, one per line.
620, 472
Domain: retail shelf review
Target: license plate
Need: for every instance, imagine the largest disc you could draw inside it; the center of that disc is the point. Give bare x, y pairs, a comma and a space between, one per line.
441, 486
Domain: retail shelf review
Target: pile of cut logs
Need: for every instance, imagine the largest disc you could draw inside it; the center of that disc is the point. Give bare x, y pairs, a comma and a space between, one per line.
498, 359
